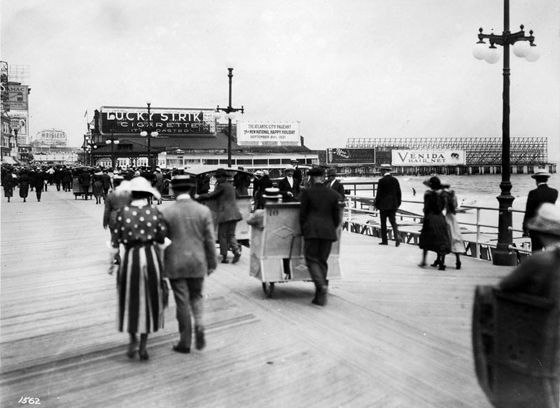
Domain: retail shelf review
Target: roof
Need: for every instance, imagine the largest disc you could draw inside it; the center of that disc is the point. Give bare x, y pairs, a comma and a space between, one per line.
197, 170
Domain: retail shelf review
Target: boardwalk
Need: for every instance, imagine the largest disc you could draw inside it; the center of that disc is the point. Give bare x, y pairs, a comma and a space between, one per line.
392, 334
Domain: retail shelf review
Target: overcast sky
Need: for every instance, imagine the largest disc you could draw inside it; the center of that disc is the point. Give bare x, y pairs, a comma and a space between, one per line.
342, 68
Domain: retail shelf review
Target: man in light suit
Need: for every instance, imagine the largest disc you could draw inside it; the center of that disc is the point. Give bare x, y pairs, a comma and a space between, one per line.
387, 201
228, 215
188, 259
542, 194
319, 217
336, 185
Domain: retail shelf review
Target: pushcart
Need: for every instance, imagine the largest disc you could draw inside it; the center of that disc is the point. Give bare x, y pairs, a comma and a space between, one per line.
277, 249
78, 190
243, 201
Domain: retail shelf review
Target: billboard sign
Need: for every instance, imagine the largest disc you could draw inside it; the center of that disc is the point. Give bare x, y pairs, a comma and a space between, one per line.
52, 137
351, 156
268, 134
19, 121
18, 96
5, 95
427, 157
162, 120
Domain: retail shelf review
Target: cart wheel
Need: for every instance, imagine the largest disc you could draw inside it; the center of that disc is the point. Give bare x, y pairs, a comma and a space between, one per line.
268, 288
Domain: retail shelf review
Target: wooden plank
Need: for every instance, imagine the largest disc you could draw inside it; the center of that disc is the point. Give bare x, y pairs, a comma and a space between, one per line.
392, 334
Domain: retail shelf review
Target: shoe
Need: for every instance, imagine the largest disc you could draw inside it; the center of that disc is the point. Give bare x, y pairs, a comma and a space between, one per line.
383, 243
181, 349
398, 242
458, 265
224, 260
236, 257
441, 268
436, 262
143, 354
422, 264
317, 302
200, 340
132, 349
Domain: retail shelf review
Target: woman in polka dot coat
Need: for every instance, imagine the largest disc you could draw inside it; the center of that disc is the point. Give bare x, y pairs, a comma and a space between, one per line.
140, 229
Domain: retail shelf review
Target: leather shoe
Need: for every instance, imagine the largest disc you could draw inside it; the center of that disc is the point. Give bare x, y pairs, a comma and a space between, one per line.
224, 260
383, 243
200, 340
181, 349
236, 257
398, 242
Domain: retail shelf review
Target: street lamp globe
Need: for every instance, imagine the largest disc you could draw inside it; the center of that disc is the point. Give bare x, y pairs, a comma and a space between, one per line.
231, 115
521, 49
533, 54
480, 50
493, 55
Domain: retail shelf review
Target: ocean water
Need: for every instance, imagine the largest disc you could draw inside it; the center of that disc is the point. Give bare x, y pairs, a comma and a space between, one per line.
475, 191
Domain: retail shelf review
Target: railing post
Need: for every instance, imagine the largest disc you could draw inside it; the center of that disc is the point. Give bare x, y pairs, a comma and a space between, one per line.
477, 246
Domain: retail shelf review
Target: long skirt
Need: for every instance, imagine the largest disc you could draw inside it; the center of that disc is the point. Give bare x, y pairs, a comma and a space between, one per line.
8, 191
23, 190
97, 189
457, 243
435, 234
140, 308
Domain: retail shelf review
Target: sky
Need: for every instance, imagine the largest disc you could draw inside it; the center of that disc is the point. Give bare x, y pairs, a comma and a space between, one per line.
342, 68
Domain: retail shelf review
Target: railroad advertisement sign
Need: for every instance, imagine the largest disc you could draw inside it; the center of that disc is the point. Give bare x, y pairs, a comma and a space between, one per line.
268, 134
52, 137
428, 157
351, 156
165, 121
18, 97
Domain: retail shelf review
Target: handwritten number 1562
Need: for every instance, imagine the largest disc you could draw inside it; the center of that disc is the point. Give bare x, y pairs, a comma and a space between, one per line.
29, 400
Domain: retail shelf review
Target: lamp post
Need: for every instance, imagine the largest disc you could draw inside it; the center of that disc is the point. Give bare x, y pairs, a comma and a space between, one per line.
524, 47
149, 132
230, 114
88, 147
112, 141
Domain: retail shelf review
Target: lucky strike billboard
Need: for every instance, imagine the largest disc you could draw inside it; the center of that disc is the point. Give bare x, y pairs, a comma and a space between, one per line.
166, 121
427, 157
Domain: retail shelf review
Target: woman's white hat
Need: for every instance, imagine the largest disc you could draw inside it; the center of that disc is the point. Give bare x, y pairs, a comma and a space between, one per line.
143, 185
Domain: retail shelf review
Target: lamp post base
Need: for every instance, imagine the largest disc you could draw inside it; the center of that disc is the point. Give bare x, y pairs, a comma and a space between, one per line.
503, 255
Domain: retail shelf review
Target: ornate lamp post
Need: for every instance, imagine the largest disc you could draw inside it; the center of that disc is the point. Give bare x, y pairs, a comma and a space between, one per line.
112, 141
524, 47
88, 148
149, 132
230, 114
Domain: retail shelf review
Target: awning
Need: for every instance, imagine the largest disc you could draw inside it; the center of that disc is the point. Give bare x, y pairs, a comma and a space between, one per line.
10, 160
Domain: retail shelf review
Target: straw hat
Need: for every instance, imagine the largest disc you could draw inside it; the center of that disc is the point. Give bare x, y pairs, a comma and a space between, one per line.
183, 182
541, 173
289, 168
547, 220
272, 193
140, 184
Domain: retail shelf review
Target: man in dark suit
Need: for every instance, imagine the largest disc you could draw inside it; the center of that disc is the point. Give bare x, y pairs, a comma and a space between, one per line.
542, 194
319, 218
336, 185
228, 215
189, 258
387, 201
289, 186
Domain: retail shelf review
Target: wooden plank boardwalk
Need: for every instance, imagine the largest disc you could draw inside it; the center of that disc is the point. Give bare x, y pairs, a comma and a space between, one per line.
392, 334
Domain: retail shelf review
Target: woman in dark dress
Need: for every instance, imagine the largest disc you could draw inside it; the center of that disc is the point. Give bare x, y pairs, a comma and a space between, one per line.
435, 234
23, 181
9, 181
97, 188
140, 229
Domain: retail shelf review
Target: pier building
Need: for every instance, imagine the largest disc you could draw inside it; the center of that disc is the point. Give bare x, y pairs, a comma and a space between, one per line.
452, 155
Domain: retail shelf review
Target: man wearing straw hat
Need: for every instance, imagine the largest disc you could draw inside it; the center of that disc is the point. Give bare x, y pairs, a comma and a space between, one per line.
189, 258
542, 194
